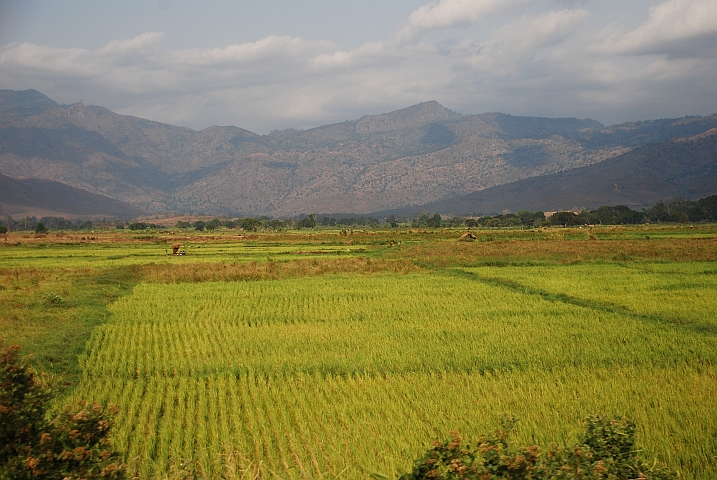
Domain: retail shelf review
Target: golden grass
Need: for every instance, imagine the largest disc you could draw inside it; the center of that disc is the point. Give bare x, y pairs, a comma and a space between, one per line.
271, 270
463, 253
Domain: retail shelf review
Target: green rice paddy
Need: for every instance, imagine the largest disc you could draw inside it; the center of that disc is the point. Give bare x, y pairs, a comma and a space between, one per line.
325, 375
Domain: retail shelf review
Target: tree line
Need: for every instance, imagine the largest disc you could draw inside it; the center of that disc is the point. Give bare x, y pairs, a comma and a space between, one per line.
677, 210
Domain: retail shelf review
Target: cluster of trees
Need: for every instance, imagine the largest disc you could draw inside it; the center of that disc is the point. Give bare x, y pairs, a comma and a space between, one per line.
142, 226
676, 210
249, 224
680, 210
350, 222
253, 224
425, 220
523, 218
41, 225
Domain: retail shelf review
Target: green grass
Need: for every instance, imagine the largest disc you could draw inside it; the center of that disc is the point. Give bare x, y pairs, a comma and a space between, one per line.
51, 314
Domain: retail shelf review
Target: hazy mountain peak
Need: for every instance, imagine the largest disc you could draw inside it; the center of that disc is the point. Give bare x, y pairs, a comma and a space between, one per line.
413, 116
21, 103
416, 155
76, 110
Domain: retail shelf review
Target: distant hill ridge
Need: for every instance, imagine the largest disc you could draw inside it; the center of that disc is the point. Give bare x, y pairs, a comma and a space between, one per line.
685, 167
424, 154
45, 198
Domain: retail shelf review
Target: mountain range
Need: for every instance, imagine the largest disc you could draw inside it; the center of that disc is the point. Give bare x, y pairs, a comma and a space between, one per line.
70, 160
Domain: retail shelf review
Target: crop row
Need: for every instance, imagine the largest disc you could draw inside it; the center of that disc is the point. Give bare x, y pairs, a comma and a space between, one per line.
314, 425
671, 292
379, 324
340, 375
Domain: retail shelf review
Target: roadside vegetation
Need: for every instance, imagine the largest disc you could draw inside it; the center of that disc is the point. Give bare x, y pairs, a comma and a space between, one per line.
345, 352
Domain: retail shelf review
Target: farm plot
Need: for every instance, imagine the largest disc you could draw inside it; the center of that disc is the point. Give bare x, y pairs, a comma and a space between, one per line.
109, 252
667, 292
344, 375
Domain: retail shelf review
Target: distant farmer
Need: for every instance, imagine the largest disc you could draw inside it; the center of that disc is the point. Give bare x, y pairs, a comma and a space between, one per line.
175, 248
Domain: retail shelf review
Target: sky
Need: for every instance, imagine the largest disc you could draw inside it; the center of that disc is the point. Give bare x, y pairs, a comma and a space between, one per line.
275, 64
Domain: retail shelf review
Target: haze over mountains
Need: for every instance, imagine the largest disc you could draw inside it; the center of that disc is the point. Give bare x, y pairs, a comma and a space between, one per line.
421, 157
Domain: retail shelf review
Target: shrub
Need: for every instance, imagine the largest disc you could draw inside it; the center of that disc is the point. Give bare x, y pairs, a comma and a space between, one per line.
73, 445
137, 226
606, 451
22, 411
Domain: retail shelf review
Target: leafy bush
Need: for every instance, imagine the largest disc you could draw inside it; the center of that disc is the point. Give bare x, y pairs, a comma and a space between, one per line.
137, 226
606, 451
212, 224
74, 445
250, 224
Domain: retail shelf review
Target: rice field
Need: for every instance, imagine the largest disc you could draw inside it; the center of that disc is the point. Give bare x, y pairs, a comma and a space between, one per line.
346, 375
322, 355
111, 253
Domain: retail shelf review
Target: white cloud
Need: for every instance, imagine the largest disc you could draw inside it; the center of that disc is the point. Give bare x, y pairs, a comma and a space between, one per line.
454, 13
269, 47
532, 47
676, 27
528, 59
543, 30
133, 44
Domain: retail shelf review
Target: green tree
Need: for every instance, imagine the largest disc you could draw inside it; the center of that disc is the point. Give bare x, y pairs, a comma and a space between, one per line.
199, 225
212, 224
40, 228
709, 207
567, 219
422, 221
434, 221
308, 222
251, 224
